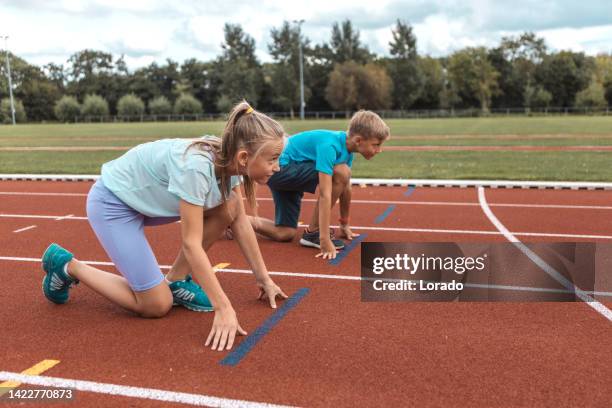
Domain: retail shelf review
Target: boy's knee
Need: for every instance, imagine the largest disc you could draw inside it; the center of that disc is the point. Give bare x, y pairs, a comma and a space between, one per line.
285, 234
342, 174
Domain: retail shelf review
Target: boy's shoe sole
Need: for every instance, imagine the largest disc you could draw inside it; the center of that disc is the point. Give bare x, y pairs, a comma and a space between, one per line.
339, 244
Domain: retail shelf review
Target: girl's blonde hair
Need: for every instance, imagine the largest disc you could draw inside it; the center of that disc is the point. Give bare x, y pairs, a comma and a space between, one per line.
245, 129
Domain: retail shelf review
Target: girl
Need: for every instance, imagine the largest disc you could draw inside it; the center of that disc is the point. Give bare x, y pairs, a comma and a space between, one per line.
196, 182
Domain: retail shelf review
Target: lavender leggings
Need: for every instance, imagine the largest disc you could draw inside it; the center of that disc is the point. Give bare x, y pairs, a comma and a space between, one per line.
120, 230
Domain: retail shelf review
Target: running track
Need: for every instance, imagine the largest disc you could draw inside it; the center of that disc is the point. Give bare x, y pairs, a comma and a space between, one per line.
330, 349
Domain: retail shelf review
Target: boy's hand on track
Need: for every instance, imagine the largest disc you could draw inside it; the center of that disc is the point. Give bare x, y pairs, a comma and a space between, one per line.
345, 232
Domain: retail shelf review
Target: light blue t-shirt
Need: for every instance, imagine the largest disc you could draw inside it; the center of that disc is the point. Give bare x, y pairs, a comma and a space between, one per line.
326, 148
152, 178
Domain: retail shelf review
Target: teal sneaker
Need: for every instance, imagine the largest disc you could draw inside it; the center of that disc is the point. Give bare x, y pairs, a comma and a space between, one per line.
56, 282
189, 294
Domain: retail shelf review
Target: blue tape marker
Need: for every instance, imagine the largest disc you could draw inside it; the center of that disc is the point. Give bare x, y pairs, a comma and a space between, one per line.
410, 191
384, 215
252, 339
347, 249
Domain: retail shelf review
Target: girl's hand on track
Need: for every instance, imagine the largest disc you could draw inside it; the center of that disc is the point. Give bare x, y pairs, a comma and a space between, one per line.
223, 332
269, 290
328, 250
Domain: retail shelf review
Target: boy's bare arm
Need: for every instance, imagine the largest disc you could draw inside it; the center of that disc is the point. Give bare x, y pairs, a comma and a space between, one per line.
345, 202
345, 212
328, 250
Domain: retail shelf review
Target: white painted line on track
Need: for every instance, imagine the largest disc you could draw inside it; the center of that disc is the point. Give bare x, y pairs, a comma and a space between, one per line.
25, 229
27, 193
384, 229
585, 185
43, 217
385, 202
332, 276
133, 392
552, 272
65, 217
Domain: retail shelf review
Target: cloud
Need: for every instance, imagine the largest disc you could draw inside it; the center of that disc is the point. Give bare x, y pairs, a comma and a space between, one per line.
153, 30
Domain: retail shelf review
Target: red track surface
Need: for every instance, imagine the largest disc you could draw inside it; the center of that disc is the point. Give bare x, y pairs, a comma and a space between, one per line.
332, 349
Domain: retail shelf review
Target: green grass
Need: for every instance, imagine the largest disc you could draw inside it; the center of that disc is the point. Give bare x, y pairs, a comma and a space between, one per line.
540, 166
54, 162
538, 131
552, 166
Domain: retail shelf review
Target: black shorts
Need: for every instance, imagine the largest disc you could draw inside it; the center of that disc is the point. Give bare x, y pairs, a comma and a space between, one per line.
288, 187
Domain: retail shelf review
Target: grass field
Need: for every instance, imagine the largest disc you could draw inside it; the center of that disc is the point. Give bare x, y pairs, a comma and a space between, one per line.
502, 131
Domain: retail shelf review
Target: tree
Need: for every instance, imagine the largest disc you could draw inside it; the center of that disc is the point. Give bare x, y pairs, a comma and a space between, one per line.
160, 106
408, 80
603, 73
67, 109
536, 97
240, 72
39, 96
564, 74
433, 83
345, 44
130, 105
592, 97
56, 74
187, 105
473, 76
31, 86
352, 86
6, 115
94, 105
516, 59
202, 80
285, 73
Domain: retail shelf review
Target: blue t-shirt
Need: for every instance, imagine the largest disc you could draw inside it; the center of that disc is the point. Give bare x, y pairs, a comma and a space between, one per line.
153, 177
326, 148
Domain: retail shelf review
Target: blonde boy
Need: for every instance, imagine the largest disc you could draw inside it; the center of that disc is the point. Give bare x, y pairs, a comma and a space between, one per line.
320, 158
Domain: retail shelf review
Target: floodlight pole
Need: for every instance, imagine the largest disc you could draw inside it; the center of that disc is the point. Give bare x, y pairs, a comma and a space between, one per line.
302, 104
10, 83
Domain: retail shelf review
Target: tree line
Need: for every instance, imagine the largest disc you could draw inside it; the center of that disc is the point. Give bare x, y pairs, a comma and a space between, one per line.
342, 74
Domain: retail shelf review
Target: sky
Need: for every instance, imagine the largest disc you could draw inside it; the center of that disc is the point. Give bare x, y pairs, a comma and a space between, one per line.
43, 31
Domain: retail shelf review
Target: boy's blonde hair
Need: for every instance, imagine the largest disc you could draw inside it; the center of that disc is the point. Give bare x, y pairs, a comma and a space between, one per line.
369, 125
245, 129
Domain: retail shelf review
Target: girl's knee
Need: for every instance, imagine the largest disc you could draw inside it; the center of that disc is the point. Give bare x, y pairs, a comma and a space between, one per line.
156, 309
155, 302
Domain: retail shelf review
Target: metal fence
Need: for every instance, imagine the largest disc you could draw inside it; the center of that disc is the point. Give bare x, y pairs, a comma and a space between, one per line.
386, 114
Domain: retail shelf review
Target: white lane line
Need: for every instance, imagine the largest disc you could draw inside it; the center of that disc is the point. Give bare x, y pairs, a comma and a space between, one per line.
384, 229
43, 217
552, 272
134, 392
65, 217
25, 229
332, 276
28, 193
386, 202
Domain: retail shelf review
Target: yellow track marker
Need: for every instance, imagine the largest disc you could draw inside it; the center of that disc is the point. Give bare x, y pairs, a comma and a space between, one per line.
300, 223
221, 265
34, 370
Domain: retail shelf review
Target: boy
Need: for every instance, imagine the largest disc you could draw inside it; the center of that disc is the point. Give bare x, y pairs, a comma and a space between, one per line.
320, 158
